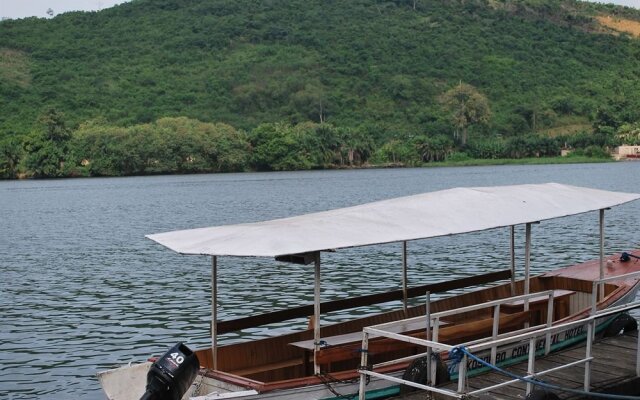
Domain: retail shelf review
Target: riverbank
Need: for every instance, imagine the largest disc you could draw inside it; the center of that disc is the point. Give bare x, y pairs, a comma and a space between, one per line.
468, 162
474, 162
479, 162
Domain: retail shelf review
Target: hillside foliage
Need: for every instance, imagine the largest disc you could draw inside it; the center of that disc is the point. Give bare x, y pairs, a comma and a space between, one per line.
179, 86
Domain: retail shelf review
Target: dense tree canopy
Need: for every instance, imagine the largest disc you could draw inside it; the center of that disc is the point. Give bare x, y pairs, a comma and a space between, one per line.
47, 147
169, 145
467, 107
309, 84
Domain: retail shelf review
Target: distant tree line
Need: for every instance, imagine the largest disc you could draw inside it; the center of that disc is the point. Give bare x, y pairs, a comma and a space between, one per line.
185, 145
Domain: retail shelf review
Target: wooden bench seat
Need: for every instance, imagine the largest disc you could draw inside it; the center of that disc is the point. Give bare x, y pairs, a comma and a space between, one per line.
558, 294
268, 367
353, 337
538, 306
450, 334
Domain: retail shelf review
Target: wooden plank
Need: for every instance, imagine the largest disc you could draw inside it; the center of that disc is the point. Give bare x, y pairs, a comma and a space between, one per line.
570, 377
267, 367
623, 342
606, 359
521, 370
447, 334
461, 283
353, 337
345, 304
612, 357
515, 391
508, 393
579, 352
512, 392
627, 386
505, 393
610, 369
596, 366
557, 295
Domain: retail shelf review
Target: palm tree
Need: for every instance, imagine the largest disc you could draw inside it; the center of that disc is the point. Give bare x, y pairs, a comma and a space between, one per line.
467, 107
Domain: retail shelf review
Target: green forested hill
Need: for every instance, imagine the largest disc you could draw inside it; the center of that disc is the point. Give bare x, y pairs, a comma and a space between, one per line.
371, 71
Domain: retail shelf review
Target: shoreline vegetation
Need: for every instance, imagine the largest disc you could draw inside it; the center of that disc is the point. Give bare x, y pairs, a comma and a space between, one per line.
523, 161
471, 162
188, 146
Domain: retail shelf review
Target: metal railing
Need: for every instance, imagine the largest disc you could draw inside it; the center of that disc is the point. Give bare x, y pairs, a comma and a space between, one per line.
530, 334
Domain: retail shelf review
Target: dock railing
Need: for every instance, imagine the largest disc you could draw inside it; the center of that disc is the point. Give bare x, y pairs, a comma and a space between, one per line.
530, 334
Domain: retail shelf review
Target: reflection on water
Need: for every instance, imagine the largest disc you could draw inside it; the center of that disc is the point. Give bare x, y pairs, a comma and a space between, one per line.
82, 290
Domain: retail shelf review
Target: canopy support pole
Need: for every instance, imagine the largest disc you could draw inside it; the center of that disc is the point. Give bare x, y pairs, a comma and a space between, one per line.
214, 311
316, 315
428, 337
527, 264
404, 277
601, 285
513, 259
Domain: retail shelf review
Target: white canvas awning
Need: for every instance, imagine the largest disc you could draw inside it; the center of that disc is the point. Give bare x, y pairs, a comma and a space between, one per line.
441, 213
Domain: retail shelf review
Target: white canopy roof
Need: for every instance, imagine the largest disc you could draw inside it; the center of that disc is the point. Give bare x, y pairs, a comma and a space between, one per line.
446, 212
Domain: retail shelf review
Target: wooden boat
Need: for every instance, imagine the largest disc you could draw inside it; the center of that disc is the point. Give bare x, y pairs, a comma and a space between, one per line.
321, 362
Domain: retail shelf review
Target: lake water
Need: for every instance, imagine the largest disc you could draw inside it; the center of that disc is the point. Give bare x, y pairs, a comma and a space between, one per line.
82, 290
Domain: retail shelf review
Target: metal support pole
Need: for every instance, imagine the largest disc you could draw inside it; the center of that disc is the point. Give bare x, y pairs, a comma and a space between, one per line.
363, 364
594, 304
547, 340
594, 296
587, 364
601, 289
428, 315
214, 311
404, 277
532, 359
462, 374
512, 257
527, 263
638, 357
316, 315
434, 338
494, 333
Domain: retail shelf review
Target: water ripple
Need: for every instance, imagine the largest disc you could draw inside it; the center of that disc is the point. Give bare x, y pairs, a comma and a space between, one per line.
82, 290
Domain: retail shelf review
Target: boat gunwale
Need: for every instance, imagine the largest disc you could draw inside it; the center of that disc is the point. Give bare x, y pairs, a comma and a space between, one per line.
234, 325
617, 290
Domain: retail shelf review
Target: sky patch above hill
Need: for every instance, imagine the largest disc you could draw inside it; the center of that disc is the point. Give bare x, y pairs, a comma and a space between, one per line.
40, 8
628, 3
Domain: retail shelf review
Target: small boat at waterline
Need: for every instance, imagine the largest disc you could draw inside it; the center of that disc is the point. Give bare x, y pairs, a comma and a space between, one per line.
322, 362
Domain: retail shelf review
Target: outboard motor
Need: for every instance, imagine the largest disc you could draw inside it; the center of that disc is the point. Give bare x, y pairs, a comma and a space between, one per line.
624, 257
172, 374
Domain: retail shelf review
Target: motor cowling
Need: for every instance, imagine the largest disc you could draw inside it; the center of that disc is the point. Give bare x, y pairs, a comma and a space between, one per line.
624, 257
171, 375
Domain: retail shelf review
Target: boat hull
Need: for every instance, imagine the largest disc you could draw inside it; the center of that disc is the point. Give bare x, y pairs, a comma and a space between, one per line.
129, 382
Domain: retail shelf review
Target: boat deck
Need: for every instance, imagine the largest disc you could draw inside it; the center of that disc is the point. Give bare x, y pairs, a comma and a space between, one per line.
613, 372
